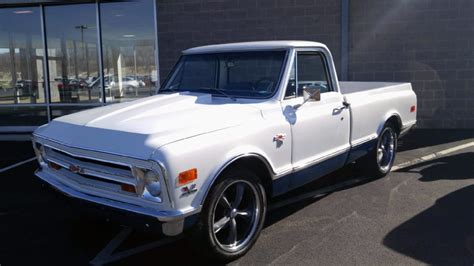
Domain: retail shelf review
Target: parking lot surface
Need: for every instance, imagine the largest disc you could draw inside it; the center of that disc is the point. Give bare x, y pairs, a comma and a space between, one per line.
421, 213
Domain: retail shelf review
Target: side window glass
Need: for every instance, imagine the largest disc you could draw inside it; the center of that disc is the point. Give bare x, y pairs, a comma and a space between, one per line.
291, 87
311, 72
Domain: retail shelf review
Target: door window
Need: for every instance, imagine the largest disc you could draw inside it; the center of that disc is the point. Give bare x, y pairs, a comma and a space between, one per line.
309, 69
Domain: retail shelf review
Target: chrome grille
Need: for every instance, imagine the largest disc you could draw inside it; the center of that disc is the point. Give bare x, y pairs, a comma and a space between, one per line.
91, 172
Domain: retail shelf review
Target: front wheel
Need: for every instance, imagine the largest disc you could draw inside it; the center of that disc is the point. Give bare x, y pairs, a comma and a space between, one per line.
232, 216
380, 160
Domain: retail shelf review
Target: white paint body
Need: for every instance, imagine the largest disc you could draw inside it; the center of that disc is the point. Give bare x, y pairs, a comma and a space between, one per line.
181, 131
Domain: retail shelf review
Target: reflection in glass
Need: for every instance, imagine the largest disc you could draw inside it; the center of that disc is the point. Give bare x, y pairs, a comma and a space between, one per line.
72, 53
128, 49
21, 56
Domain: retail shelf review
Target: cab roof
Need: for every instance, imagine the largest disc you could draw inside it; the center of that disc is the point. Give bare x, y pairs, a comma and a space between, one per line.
252, 46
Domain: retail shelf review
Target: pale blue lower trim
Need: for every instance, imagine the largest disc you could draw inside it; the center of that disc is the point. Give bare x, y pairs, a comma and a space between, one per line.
305, 175
308, 174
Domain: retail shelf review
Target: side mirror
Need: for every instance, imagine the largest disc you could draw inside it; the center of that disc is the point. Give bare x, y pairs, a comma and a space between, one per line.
311, 93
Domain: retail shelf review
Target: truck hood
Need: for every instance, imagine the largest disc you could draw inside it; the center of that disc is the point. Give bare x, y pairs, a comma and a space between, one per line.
138, 128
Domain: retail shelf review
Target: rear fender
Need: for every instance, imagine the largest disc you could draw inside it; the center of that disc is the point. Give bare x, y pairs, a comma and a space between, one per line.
388, 116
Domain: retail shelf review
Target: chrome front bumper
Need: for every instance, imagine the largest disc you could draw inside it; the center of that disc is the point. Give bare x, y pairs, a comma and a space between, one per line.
173, 221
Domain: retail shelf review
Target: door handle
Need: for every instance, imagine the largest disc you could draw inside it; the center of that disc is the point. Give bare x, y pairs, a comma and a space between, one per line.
338, 110
345, 105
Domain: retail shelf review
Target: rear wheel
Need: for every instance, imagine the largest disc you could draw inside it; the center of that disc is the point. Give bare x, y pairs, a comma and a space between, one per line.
232, 216
380, 159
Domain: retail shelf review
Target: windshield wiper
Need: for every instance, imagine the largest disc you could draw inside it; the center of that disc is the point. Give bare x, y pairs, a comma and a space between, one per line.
221, 92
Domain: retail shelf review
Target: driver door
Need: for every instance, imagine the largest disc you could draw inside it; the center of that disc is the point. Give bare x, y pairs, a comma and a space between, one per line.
320, 129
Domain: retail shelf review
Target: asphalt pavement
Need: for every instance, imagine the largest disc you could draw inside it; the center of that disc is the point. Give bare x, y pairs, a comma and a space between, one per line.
421, 213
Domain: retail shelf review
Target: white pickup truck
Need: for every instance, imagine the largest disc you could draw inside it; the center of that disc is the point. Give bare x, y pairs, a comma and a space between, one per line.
233, 125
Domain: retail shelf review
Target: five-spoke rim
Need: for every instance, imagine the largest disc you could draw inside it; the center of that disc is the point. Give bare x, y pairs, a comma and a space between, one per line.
235, 216
386, 150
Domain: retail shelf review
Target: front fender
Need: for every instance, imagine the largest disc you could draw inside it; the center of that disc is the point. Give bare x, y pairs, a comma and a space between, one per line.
231, 157
211, 153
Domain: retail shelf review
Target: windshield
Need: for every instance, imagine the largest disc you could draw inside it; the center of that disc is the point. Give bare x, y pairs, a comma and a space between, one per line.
237, 74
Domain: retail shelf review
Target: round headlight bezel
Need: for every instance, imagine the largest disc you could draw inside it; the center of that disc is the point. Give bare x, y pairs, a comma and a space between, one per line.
40, 153
149, 185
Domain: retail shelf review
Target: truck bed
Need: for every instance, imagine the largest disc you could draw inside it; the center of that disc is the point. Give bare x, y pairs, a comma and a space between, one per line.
372, 102
348, 87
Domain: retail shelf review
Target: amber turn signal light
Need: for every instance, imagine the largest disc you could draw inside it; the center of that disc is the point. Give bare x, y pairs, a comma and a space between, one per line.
187, 176
54, 166
128, 188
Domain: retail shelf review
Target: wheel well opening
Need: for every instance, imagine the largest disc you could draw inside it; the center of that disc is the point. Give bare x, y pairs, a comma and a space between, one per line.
256, 165
396, 122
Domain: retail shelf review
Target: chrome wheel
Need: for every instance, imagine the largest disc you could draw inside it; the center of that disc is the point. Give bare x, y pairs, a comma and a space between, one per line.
386, 149
236, 216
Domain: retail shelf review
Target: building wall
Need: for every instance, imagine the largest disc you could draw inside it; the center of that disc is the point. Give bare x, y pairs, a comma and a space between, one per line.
426, 42
186, 23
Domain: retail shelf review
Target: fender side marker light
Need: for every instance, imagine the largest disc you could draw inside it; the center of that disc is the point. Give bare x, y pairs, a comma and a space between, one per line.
187, 176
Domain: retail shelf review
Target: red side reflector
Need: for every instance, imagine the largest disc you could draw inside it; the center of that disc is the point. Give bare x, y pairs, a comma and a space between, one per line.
128, 188
55, 166
413, 109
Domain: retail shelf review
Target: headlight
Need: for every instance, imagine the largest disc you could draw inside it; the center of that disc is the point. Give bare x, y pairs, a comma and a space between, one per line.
152, 184
148, 184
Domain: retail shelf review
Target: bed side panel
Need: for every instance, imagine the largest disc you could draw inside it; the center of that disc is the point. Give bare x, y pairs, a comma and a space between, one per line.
371, 109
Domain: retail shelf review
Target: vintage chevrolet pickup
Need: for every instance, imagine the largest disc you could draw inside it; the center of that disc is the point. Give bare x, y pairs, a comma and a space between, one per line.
233, 125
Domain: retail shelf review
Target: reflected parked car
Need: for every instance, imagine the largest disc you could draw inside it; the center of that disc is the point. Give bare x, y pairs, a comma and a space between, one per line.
26, 88
113, 88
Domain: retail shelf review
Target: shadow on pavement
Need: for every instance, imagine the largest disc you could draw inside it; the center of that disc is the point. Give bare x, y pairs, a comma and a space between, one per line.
15, 151
421, 138
444, 233
458, 167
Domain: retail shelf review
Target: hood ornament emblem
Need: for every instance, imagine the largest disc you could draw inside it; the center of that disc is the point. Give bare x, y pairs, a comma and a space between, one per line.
75, 169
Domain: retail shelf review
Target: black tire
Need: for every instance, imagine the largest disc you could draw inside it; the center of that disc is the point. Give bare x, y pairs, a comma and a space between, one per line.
213, 244
371, 164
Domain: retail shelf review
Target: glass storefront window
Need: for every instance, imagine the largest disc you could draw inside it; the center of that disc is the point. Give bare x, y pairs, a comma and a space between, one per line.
71, 32
21, 68
21, 56
128, 37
